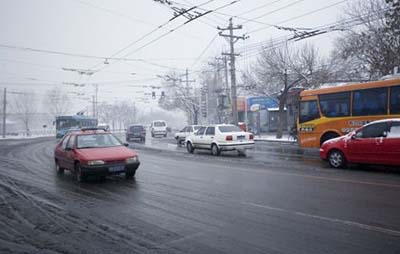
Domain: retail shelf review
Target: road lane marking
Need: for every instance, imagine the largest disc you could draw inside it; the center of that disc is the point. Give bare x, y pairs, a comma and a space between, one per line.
268, 171
332, 220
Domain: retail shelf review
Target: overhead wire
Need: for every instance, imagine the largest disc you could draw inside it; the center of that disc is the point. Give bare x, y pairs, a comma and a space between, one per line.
171, 31
348, 22
143, 37
300, 16
249, 20
189, 4
80, 55
113, 12
274, 11
205, 50
238, 16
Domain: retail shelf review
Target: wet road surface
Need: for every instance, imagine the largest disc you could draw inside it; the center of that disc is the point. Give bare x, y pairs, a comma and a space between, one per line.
183, 203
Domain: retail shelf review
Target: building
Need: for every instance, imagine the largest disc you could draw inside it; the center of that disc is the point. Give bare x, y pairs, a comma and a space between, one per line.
260, 113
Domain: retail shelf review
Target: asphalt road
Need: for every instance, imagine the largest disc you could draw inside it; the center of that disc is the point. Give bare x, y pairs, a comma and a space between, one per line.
183, 203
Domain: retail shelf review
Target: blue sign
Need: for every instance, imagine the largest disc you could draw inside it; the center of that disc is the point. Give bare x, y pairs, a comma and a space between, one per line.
265, 102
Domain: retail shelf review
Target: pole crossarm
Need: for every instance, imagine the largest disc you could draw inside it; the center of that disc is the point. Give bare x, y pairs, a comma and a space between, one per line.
243, 37
230, 54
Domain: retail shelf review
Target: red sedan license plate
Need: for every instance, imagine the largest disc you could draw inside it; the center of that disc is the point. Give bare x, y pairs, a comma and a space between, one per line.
116, 168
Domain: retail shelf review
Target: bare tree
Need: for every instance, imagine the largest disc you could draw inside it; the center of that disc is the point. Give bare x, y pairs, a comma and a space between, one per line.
373, 48
57, 102
280, 68
25, 107
119, 114
178, 95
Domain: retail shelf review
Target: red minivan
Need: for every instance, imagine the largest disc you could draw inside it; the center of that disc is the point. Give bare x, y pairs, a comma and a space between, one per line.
94, 152
375, 143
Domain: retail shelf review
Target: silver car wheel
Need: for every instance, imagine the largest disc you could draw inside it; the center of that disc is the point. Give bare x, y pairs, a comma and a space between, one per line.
336, 159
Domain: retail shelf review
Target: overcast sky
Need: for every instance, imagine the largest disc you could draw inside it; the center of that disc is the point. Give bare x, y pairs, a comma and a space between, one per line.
98, 29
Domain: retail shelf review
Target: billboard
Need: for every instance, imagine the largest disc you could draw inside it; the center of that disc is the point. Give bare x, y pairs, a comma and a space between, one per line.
263, 101
241, 103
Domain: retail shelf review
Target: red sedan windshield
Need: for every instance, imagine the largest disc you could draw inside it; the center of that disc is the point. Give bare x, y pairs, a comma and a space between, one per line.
97, 140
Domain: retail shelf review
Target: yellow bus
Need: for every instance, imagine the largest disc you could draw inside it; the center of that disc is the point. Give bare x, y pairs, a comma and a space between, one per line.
327, 113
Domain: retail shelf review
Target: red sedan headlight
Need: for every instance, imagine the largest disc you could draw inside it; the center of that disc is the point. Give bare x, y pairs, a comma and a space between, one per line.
96, 162
133, 159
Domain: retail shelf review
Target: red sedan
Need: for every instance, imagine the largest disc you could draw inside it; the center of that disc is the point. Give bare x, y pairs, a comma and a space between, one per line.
375, 143
94, 152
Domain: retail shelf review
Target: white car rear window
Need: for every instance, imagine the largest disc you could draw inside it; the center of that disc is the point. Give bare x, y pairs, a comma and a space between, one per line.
159, 124
229, 128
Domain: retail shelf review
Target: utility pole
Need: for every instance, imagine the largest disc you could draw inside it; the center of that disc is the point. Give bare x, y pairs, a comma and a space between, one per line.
194, 117
4, 111
232, 40
226, 78
226, 89
95, 114
94, 105
225, 67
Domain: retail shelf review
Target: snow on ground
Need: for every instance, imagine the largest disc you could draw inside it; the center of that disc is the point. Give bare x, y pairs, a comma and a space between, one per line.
272, 137
27, 137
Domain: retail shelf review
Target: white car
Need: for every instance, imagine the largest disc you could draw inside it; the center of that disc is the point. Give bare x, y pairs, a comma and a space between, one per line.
158, 127
182, 134
103, 126
220, 137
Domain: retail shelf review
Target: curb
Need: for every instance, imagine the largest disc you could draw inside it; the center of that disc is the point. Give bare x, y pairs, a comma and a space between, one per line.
275, 141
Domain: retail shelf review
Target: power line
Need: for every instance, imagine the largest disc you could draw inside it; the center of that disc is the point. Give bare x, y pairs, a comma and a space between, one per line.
77, 55
238, 16
176, 28
273, 11
113, 12
205, 50
300, 16
257, 45
191, 4
335, 26
142, 38
257, 8
338, 25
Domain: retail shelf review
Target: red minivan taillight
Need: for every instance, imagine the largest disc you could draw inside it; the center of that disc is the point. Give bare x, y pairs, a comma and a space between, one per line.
251, 136
229, 138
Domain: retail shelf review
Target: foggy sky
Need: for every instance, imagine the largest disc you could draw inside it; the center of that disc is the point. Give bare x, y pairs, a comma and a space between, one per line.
101, 28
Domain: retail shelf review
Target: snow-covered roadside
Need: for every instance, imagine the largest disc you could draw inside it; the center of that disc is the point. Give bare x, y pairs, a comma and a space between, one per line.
13, 137
272, 137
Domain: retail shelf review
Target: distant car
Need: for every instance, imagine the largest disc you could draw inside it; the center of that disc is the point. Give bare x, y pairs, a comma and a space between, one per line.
103, 126
158, 128
220, 137
94, 152
136, 132
375, 143
182, 134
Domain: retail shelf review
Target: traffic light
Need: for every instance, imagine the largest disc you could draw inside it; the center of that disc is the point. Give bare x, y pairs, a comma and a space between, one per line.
162, 94
153, 95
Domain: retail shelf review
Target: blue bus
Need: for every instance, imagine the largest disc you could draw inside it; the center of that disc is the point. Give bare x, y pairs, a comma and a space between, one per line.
64, 123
